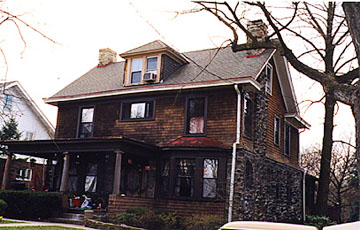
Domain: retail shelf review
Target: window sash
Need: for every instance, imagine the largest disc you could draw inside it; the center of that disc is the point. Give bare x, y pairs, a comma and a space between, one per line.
195, 116
86, 122
287, 136
151, 64
276, 130
248, 116
184, 180
210, 175
137, 110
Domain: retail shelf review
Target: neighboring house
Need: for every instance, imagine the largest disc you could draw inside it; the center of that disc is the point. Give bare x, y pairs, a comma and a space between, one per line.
32, 124
207, 132
16, 102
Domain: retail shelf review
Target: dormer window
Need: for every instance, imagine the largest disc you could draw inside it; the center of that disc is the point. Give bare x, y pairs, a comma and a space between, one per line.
151, 64
136, 70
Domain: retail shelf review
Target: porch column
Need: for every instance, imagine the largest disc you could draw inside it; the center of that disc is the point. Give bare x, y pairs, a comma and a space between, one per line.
5, 180
117, 173
65, 173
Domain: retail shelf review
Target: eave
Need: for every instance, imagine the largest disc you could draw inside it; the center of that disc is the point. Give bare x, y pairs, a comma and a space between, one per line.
297, 121
248, 82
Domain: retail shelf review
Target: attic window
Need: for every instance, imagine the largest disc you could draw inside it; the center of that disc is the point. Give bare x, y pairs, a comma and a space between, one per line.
136, 69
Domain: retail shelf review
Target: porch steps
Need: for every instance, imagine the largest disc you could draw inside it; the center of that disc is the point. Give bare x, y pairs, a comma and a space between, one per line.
70, 217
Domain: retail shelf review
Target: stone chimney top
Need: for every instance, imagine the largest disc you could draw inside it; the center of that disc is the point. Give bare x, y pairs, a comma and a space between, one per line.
258, 29
106, 56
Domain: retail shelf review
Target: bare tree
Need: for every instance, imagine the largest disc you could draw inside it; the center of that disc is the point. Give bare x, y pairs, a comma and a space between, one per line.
341, 188
328, 41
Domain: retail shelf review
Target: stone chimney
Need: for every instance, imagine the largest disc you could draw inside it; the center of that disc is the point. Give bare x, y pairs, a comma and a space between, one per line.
106, 56
258, 29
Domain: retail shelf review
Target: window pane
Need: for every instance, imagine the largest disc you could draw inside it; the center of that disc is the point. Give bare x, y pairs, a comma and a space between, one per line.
209, 188
136, 65
184, 178
195, 115
86, 129
287, 139
136, 77
90, 184
277, 131
248, 116
87, 114
210, 168
151, 63
137, 110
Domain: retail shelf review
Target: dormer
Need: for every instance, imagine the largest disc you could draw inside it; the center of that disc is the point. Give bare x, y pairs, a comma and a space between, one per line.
150, 63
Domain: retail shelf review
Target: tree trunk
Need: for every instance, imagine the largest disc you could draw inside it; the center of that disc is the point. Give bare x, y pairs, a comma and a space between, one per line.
324, 180
352, 13
356, 113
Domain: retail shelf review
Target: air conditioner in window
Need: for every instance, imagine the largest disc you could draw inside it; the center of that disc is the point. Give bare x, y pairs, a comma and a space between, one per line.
149, 76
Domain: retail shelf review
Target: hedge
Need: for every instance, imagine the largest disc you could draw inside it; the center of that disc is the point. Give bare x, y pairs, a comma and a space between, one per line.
30, 204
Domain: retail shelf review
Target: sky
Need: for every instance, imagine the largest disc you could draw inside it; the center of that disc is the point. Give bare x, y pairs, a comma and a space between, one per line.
80, 28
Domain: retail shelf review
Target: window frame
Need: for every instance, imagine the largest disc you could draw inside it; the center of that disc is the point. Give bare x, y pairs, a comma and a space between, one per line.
278, 130
152, 102
80, 122
246, 97
269, 81
198, 176
146, 65
8, 103
287, 151
27, 174
187, 120
141, 71
215, 178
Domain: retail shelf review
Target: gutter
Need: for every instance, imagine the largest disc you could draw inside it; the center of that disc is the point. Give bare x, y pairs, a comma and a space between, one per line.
233, 160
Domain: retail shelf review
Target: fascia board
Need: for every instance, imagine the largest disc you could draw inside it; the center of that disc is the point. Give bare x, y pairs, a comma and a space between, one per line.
248, 81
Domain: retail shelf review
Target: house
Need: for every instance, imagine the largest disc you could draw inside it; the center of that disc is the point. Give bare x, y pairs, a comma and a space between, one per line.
208, 131
16, 103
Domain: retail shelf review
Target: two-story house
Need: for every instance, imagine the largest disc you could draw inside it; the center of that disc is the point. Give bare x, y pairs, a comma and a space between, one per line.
208, 131
16, 103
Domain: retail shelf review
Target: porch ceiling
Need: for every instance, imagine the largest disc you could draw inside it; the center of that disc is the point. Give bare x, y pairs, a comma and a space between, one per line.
47, 148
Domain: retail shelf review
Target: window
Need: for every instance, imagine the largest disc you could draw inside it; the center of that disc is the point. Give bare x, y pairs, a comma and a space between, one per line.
164, 187
29, 135
86, 122
184, 186
91, 177
248, 175
210, 177
24, 174
248, 115
195, 116
287, 135
268, 71
277, 130
8, 103
138, 110
151, 64
136, 69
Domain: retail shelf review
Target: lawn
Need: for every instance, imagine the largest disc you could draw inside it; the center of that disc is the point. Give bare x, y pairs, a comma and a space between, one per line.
37, 227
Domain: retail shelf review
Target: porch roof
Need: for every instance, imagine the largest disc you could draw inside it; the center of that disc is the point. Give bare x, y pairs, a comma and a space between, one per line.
47, 148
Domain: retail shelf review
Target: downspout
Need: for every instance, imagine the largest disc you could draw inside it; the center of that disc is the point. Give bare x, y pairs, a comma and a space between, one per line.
303, 185
233, 160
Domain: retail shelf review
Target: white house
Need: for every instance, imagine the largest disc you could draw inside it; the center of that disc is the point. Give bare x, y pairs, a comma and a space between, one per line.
16, 102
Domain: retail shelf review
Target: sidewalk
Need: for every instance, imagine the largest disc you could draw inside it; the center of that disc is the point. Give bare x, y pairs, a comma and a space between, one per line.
36, 223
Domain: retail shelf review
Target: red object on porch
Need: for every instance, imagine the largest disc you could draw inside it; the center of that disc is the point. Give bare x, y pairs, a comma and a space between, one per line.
76, 202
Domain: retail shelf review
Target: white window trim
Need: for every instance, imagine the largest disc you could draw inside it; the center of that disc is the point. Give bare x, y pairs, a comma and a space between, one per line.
269, 82
26, 171
279, 130
285, 125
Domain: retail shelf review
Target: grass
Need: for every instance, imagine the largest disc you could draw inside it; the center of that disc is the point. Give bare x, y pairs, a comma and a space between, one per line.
37, 227
3, 221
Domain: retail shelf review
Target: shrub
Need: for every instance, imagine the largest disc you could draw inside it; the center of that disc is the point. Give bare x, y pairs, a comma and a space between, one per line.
3, 207
203, 222
29, 204
319, 221
149, 219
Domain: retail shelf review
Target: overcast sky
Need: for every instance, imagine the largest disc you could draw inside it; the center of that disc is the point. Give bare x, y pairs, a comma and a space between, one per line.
81, 27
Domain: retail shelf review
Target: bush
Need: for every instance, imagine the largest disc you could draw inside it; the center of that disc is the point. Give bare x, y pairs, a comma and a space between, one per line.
3, 207
30, 205
149, 219
203, 222
319, 221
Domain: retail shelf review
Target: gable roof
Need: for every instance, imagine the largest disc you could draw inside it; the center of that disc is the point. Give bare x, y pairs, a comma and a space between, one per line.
151, 47
30, 102
206, 68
